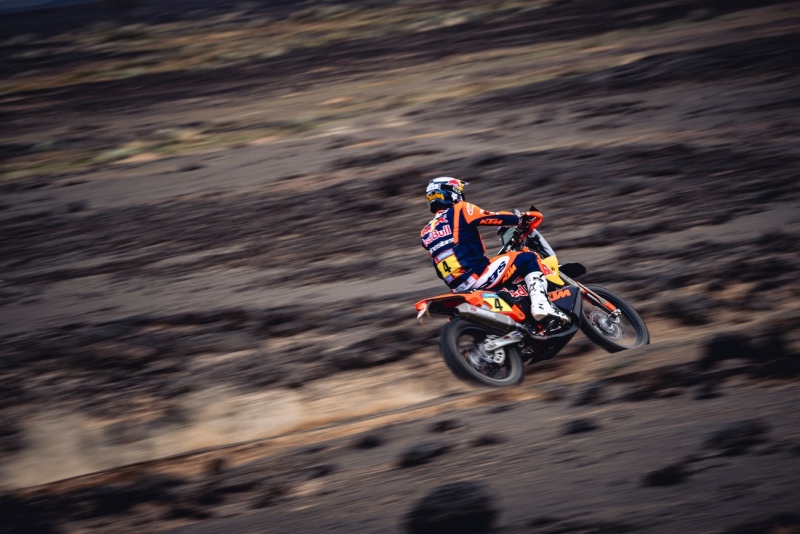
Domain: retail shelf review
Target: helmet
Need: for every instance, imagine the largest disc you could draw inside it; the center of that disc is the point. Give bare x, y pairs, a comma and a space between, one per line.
443, 192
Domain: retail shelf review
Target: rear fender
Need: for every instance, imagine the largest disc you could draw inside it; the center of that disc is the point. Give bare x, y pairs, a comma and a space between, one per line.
486, 299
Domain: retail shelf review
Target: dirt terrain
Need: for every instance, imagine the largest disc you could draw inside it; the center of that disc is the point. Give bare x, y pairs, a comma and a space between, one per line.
210, 257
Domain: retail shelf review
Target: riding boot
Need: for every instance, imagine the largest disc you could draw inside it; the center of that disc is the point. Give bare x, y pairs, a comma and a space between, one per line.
541, 307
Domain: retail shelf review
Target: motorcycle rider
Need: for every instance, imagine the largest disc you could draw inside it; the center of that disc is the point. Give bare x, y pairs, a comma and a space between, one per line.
457, 250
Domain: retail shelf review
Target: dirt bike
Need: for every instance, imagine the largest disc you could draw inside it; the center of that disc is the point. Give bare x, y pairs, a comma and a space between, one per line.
489, 338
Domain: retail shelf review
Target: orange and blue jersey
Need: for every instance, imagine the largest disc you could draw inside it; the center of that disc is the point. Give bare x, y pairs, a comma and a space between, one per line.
454, 243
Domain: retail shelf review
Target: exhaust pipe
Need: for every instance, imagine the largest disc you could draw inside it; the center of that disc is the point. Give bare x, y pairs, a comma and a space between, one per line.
486, 317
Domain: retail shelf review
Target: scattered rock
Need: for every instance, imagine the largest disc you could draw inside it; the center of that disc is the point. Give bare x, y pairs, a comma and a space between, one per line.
422, 453
192, 166
11, 436
445, 425
465, 507
552, 392
501, 408
591, 393
21, 517
370, 441
592, 527
542, 521
736, 438
580, 425
708, 390
688, 310
487, 439
787, 522
723, 347
772, 357
187, 511
666, 476
76, 206
639, 392
271, 495
319, 471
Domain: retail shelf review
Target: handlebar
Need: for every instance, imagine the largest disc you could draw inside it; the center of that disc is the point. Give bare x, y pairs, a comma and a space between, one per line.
526, 226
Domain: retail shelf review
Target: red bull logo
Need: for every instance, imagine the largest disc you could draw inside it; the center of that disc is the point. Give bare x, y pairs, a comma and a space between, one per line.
437, 234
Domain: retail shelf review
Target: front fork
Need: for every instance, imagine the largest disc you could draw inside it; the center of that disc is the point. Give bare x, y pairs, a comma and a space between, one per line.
594, 298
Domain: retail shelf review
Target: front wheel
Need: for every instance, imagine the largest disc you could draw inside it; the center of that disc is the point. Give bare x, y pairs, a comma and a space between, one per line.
614, 334
464, 352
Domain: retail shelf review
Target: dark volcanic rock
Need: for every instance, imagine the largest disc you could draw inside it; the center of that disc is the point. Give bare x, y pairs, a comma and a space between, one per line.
370, 441
591, 393
487, 439
555, 526
687, 310
723, 347
271, 495
666, 476
640, 392
445, 425
11, 436
580, 425
772, 358
465, 507
708, 390
422, 453
736, 438
21, 517
785, 522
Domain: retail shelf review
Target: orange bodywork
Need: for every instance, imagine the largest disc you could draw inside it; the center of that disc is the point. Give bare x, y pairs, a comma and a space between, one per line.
442, 304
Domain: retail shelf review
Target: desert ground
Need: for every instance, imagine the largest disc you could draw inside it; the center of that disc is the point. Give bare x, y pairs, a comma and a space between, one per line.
210, 257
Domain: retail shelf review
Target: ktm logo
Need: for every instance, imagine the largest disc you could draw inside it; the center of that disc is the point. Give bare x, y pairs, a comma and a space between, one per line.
560, 294
492, 222
510, 272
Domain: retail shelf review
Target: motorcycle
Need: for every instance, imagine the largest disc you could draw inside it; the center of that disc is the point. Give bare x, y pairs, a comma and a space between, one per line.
489, 339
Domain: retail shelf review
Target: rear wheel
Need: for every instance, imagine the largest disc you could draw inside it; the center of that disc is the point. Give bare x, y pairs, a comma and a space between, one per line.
464, 352
625, 331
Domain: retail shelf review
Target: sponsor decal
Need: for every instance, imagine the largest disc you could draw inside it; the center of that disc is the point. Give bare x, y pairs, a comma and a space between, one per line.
560, 294
435, 196
492, 222
519, 292
544, 268
496, 273
437, 246
465, 285
433, 235
509, 274
470, 209
444, 255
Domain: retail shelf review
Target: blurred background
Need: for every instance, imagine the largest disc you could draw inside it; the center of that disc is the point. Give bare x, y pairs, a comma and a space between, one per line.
209, 258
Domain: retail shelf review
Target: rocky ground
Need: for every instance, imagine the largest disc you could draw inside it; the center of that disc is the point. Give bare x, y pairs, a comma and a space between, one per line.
210, 260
